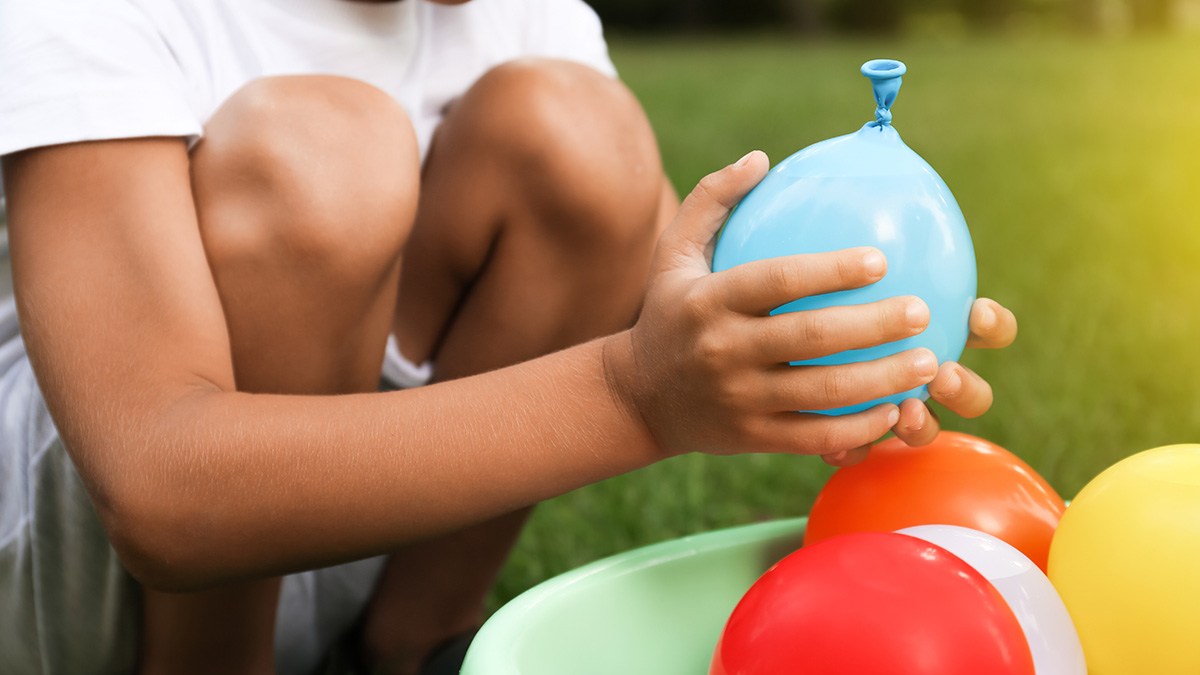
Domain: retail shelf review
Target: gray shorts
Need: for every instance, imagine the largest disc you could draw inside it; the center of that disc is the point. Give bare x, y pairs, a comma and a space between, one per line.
66, 603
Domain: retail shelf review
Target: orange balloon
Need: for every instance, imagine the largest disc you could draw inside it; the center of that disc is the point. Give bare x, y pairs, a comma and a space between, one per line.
958, 479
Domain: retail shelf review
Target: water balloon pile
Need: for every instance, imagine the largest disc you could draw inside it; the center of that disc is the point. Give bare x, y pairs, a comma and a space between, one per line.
1121, 596
915, 562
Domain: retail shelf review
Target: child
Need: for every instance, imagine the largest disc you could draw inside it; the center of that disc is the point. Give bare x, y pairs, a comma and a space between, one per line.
220, 211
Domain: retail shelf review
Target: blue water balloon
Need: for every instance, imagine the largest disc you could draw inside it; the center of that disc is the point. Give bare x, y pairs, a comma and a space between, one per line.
865, 189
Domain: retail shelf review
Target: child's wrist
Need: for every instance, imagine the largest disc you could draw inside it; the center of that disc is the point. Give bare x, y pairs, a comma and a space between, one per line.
625, 385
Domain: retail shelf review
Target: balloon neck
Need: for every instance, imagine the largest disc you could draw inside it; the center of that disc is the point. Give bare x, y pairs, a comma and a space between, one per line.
886, 77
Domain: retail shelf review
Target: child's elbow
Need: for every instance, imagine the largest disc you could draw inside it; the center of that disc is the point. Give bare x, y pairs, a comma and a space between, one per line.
149, 553
154, 543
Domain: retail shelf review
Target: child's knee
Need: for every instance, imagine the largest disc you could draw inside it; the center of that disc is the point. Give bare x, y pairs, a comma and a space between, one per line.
324, 169
578, 144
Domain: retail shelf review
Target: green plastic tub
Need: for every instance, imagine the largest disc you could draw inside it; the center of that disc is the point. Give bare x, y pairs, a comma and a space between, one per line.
656, 610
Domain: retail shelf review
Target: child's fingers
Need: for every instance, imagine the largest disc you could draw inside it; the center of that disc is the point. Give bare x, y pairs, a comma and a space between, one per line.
796, 336
918, 424
961, 390
826, 387
762, 285
704, 210
810, 434
992, 325
846, 458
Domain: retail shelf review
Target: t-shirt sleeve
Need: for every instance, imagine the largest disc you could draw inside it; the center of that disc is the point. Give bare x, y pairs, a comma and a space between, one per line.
76, 70
567, 29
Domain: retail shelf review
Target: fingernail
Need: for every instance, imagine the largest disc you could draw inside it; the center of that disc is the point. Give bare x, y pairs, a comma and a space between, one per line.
953, 383
742, 162
917, 313
925, 363
893, 416
987, 317
874, 263
920, 423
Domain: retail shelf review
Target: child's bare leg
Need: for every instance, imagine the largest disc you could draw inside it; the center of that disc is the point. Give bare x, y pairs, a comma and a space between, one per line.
540, 205
305, 189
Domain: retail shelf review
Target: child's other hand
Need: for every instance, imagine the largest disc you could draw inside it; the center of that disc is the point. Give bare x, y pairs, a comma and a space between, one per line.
957, 387
705, 368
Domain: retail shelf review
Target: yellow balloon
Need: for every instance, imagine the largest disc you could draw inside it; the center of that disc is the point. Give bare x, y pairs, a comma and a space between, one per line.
1126, 561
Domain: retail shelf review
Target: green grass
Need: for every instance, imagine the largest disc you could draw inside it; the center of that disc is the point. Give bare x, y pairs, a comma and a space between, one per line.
1077, 165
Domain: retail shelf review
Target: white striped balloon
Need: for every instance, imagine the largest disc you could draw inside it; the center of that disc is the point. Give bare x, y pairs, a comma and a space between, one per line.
1037, 606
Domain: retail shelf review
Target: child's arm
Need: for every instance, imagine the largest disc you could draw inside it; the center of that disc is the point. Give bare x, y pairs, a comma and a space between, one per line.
199, 484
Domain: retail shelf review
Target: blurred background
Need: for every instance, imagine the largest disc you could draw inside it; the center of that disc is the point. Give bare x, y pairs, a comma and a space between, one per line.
892, 17
1068, 130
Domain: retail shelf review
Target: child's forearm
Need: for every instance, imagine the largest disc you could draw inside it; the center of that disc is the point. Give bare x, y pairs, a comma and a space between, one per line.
235, 485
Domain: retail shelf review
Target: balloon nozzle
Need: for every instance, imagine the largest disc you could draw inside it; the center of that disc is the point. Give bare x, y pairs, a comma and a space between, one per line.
886, 76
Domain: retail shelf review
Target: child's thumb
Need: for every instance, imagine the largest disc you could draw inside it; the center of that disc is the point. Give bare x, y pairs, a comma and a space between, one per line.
706, 208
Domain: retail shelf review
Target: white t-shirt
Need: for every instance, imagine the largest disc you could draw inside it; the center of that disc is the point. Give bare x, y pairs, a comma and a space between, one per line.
76, 70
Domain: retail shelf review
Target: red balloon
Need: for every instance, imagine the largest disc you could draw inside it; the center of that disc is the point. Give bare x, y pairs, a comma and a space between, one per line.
868, 603
956, 480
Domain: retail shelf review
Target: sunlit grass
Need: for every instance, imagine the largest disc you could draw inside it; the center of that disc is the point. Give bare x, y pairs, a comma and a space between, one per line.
1077, 165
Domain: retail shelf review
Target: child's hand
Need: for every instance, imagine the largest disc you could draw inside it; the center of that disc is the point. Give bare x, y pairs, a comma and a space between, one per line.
956, 386
705, 368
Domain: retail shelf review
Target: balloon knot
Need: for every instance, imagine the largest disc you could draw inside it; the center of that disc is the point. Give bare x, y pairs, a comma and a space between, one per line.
883, 117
